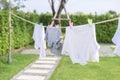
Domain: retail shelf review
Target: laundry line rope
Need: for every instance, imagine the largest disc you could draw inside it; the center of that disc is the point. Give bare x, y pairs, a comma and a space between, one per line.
22, 18
27, 20
105, 21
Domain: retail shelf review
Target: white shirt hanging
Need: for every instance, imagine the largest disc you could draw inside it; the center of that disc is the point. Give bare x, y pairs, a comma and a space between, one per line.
81, 45
39, 39
116, 40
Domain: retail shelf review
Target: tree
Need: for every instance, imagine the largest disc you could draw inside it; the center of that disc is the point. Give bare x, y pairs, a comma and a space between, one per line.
15, 4
4, 4
62, 3
112, 12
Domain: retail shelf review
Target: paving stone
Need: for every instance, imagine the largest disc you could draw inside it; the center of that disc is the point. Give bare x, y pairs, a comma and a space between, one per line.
49, 58
45, 62
30, 77
42, 66
37, 71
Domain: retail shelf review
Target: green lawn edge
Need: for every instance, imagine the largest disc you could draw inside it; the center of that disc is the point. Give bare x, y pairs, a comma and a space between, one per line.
20, 61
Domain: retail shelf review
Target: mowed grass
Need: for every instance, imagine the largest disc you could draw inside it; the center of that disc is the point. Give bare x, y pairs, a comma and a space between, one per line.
7, 71
107, 69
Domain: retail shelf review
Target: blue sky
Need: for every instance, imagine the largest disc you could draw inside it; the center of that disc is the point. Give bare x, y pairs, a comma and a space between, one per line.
73, 6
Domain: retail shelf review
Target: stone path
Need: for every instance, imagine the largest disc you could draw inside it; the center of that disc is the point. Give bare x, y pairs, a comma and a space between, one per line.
41, 69
106, 50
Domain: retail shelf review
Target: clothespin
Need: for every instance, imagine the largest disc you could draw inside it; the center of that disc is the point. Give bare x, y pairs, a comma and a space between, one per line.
70, 24
35, 24
41, 24
51, 24
89, 21
48, 25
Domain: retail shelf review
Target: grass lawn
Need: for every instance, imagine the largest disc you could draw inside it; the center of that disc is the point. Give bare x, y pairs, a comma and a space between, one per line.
7, 71
107, 69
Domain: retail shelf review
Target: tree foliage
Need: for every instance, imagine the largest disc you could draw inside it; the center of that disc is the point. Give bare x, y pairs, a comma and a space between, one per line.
14, 4
4, 4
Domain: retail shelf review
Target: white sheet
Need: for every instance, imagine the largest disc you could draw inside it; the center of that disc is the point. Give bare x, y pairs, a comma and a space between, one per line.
81, 45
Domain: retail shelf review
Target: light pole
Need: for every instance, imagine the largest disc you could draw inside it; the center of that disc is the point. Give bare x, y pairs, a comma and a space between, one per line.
10, 35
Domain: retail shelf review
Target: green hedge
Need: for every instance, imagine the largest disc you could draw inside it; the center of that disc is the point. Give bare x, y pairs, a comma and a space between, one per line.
3, 32
106, 31
22, 31
22, 34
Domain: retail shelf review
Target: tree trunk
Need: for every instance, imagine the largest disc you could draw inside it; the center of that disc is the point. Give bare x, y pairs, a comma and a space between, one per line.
62, 2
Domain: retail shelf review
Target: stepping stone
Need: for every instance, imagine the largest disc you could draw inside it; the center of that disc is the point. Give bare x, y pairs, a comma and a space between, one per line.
30, 77
43, 66
49, 58
37, 71
45, 62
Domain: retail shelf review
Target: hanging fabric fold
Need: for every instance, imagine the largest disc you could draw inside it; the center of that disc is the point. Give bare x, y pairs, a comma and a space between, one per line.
54, 37
116, 40
39, 42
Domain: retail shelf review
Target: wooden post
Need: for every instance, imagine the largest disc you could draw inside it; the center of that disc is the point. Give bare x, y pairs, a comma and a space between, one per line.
10, 35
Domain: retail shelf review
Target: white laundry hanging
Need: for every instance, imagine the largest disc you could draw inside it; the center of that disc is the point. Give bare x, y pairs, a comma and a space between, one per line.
81, 45
116, 40
39, 39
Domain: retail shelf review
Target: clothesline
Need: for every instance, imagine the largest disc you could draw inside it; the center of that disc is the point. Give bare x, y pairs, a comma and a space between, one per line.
63, 27
23, 19
106, 21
